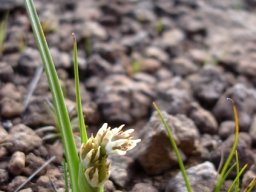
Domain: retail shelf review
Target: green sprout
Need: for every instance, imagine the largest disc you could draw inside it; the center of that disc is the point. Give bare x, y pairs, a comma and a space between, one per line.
3, 29
135, 66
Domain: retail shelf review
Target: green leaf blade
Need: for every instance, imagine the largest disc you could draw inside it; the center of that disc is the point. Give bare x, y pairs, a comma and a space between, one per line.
83, 133
57, 95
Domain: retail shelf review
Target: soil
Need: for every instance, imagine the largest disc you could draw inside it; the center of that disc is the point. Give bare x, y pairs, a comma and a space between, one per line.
187, 56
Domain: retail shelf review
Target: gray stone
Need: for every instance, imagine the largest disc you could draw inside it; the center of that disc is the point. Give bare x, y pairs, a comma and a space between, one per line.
16, 182
208, 85
183, 67
17, 163
24, 139
155, 146
6, 72
29, 61
172, 38
37, 113
252, 130
248, 177
202, 178
245, 154
138, 39
4, 136
4, 175
109, 186
119, 170
193, 25
94, 29
33, 162
61, 59
203, 119
10, 108
142, 187
244, 98
7, 5
121, 99
26, 190
157, 53
150, 65
11, 91
174, 100
226, 129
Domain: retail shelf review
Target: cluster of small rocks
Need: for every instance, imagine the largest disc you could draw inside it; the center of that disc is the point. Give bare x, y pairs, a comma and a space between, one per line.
187, 56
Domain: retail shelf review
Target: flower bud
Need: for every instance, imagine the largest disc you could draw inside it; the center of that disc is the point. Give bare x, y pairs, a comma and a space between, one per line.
94, 153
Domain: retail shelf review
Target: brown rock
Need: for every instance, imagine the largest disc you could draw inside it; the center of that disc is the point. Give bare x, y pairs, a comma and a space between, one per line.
150, 65
4, 175
202, 177
10, 108
119, 170
204, 120
155, 146
141, 187
33, 162
16, 182
24, 139
10, 91
17, 163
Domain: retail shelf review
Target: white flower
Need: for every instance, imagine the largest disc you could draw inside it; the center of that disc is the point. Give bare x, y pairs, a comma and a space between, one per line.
121, 141
103, 135
94, 153
121, 146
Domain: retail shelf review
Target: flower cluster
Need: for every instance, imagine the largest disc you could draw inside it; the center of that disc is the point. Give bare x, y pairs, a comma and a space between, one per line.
94, 153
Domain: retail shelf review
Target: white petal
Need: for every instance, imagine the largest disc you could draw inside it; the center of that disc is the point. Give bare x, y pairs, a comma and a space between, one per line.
94, 181
87, 160
103, 128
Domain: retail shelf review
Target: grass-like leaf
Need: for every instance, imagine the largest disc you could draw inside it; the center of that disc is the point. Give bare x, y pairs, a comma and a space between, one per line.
65, 169
82, 182
175, 148
3, 29
83, 133
237, 172
57, 95
229, 171
251, 185
221, 178
237, 178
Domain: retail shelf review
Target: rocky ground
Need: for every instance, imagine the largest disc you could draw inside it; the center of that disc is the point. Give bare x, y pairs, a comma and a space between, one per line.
187, 56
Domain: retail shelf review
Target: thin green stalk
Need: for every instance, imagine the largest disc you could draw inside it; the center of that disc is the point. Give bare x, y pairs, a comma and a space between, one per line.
237, 178
66, 176
82, 182
231, 154
83, 133
229, 171
175, 148
251, 185
58, 98
3, 29
237, 172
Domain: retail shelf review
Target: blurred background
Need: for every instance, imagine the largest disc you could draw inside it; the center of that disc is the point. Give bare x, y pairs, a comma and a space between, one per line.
186, 55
